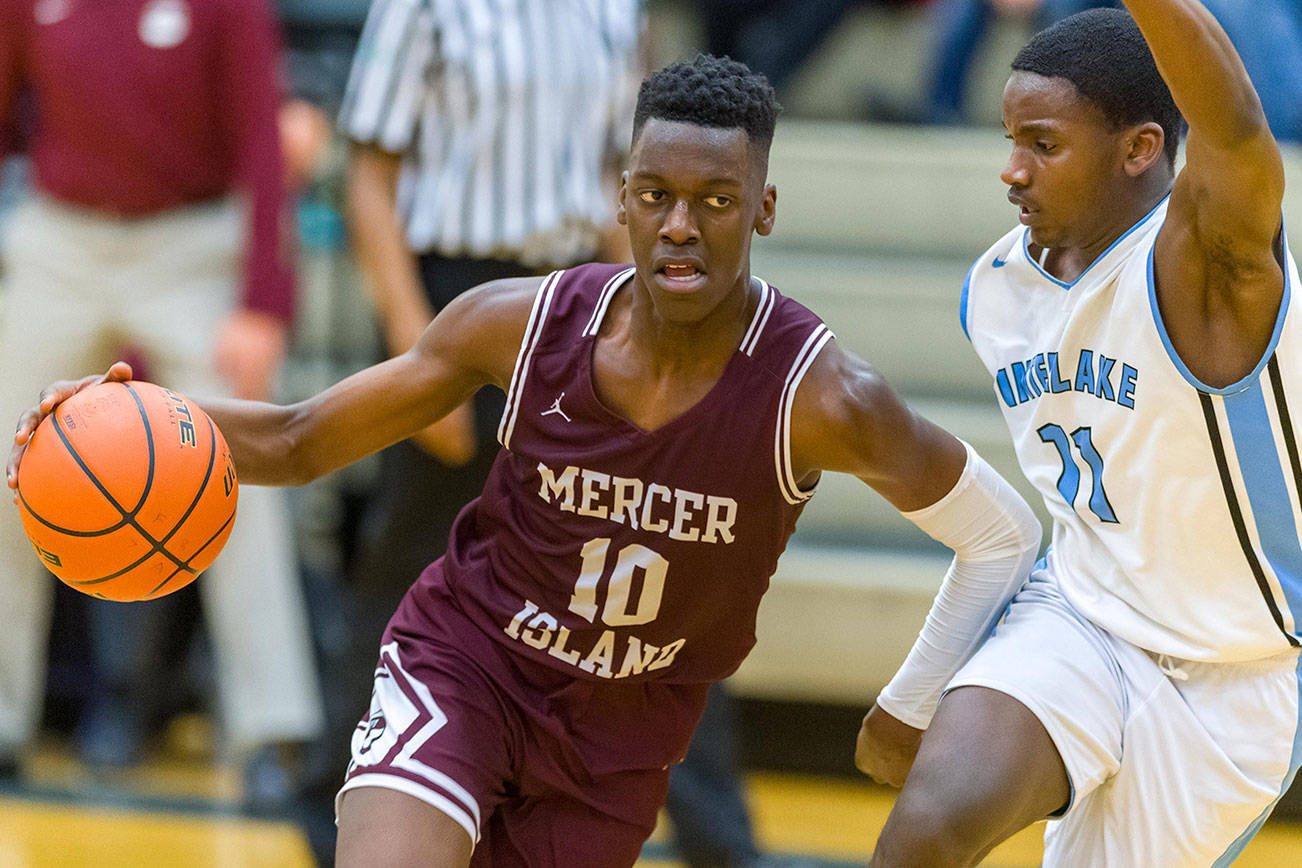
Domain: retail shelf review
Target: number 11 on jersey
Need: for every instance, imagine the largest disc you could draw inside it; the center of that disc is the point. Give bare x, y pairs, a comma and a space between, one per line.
1069, 480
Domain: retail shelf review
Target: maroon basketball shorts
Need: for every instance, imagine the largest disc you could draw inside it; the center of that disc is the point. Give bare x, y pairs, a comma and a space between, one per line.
447, 730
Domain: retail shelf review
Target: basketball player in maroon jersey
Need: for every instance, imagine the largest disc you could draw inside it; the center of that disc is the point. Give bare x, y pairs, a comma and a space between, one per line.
665, 424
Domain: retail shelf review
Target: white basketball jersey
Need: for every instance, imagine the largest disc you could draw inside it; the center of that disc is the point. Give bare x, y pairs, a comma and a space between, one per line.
1176, 520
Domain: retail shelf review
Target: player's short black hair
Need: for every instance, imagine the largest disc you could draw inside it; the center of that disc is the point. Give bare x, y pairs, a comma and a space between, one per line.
711, 92
1102, 53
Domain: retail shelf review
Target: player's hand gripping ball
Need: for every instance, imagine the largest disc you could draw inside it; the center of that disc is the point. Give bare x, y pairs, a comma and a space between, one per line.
127, 491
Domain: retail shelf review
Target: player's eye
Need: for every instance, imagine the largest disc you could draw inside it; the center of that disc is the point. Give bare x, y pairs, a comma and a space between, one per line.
651, 196
1046, 147
718, 201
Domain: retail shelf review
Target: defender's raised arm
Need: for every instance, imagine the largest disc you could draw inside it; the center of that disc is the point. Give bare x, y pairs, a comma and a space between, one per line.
1217, 252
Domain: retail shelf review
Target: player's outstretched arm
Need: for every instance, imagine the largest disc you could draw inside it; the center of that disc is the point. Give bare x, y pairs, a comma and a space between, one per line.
1224, 215
472, 342
846, 418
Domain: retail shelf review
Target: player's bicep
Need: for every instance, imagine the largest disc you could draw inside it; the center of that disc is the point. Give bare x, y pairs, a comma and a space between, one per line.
851, 421
471, 343
475, 340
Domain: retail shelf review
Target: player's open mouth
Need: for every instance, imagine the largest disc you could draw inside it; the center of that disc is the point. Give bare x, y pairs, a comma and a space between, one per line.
681, 277
1024, 211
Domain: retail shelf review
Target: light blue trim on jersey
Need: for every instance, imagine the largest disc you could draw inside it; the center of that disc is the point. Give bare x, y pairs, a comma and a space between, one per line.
1262, 471
1026, 236
1175, 357
962, 301
1235, 849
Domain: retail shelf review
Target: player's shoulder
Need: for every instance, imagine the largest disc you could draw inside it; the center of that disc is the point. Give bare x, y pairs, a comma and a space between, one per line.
593, 278
782, 334
844, 390
499, 302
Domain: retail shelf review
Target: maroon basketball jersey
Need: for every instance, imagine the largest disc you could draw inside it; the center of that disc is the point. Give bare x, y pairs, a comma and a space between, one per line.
613, 553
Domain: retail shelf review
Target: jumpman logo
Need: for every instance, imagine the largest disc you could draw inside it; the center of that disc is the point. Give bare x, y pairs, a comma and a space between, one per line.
556, 408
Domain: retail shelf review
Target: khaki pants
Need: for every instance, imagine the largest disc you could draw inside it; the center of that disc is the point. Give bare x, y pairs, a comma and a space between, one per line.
79, 287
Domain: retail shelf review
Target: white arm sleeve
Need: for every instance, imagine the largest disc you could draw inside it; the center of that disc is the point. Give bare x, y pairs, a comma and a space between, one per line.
995, 538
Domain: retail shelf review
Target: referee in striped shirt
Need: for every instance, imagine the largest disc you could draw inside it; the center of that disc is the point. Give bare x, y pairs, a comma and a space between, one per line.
486, 141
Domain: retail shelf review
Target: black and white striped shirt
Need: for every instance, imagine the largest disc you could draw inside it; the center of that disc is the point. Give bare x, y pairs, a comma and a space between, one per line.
505, 112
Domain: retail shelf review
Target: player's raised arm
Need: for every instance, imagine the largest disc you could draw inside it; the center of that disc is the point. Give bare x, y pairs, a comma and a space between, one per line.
473, 342
846, 418
1225, 206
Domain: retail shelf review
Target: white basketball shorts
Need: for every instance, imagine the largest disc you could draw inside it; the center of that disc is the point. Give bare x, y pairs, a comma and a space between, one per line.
1171, 762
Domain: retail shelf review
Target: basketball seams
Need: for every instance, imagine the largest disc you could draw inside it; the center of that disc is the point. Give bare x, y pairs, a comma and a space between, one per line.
65, 531
203, 486
128, 517
149, 444
157, 546
186, 567
160, 546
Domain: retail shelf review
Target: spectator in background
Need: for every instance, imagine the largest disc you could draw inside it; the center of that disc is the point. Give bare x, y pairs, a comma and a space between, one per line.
959, 28
1267, 34
157, 219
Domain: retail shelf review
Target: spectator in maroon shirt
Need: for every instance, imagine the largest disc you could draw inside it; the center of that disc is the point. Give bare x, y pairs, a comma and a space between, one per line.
158, 218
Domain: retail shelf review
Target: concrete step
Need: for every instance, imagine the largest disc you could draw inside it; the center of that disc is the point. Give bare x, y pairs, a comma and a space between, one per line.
860, 186
898, 311
932, 190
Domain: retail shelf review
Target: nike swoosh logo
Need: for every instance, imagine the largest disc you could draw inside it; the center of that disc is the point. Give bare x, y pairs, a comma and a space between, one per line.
999, 263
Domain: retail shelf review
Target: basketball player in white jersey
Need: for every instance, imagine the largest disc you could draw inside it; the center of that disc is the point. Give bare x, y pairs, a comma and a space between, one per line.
1142, 690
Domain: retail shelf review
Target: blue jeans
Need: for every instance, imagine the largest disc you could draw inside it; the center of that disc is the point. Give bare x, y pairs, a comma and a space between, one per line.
1268, 36
960, 26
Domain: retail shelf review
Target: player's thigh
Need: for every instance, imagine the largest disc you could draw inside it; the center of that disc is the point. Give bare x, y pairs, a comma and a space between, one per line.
383, 828
986, 768
559, 830
438, 730
1033, 719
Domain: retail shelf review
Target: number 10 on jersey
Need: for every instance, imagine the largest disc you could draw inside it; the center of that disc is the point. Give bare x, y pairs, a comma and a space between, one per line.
1069, 480
616, 613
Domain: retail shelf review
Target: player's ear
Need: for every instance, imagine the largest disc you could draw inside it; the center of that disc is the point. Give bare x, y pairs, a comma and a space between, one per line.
768, 210
621, 215
1144, 146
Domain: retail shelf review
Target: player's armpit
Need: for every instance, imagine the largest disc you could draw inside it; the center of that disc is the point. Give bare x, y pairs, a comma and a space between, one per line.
481, 331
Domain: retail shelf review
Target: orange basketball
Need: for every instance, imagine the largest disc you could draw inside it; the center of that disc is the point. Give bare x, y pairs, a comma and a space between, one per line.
127, 491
